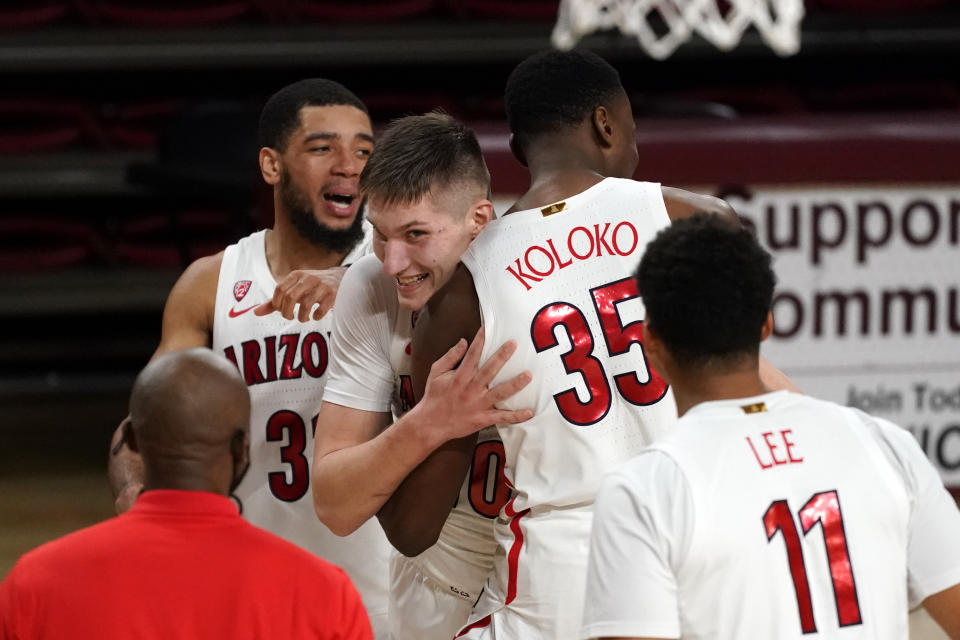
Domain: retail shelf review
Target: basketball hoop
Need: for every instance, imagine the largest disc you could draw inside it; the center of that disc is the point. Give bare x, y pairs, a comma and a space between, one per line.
778, 22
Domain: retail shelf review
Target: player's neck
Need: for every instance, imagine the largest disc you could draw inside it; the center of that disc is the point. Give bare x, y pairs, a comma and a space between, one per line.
691, 388
188, 475
288, 251
548, 186
561, 165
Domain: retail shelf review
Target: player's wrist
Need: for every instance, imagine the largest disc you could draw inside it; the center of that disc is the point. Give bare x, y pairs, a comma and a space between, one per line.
421, 430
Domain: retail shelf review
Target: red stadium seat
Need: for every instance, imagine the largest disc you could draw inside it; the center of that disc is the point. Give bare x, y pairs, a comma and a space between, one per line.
360, 10
165, 13
173, 240
517, 9
31, 125
137, 125
874, 6
15, 14
29, 243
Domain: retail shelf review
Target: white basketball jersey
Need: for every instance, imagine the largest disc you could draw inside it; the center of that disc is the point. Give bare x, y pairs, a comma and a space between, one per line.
371, 370
771, 517
285, 363
558, 280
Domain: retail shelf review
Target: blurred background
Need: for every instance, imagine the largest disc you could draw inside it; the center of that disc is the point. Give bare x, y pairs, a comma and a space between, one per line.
127, 149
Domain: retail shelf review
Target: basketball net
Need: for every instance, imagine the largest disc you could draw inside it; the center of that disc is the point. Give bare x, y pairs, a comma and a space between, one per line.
778, 22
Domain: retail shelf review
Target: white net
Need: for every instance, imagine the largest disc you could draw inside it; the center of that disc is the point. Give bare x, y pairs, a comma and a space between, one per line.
663, 25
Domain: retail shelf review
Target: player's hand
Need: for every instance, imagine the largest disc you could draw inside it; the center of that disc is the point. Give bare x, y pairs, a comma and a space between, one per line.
305, 288
458, 401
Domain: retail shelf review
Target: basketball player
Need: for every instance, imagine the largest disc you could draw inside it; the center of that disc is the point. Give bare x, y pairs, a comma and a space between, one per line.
316, 137
427, 187
554, 276
762, 514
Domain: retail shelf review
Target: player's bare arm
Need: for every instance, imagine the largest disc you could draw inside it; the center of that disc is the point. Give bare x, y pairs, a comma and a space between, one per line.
414, 515
356, 469
187, 322
944, 608
683, 204
307, 288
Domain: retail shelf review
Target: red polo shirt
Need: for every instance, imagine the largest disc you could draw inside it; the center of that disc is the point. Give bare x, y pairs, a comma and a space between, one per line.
179, 564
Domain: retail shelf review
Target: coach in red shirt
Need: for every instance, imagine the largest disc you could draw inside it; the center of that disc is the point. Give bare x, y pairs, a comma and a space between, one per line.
181, 563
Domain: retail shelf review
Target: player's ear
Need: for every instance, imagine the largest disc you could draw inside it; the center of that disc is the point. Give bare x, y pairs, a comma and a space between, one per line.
517, 150
654, 350
602, 124
270, 165
481, 213
767, 327
129, 437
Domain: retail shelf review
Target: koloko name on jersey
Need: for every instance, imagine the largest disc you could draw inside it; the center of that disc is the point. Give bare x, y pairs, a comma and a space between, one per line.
581, 243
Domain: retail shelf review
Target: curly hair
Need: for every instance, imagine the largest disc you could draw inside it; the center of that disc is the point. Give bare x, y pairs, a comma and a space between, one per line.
707, 286
553, 89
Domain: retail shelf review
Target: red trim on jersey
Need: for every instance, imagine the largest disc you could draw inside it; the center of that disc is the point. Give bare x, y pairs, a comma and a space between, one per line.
513, 556
479, 624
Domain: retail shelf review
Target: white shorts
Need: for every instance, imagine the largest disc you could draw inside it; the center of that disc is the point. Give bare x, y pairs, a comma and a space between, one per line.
539, 580
420, 607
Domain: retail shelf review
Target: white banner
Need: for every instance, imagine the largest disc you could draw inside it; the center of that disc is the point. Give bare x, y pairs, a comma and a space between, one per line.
867, 309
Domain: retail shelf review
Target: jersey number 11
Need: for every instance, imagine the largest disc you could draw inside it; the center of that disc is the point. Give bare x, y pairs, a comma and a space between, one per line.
823, 507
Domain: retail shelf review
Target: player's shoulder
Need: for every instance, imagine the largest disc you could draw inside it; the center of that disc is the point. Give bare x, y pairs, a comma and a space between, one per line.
681, 203
201, 276
654, 469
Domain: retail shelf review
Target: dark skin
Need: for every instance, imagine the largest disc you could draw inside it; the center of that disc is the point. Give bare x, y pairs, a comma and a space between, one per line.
434, 476
189, 421
561, 164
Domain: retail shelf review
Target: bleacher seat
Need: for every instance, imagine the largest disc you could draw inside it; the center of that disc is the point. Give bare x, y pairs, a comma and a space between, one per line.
32, 243
29, 125
16, 14
360, 10
165, 13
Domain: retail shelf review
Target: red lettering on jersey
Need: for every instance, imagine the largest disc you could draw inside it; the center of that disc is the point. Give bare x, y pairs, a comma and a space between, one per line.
560, 263
769, 456
251, 362
405, 393
541, 260
288, 344
789, 445
616, 238
270, 348
773, 447
315, 367
231, 356
757, 456
602, 239
521, 276
570, 243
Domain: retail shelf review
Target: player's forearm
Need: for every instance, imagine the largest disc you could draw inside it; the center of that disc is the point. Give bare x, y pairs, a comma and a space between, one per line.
414, 515
351, 484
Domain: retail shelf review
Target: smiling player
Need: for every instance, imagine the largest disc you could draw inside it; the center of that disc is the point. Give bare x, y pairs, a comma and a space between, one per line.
316, 138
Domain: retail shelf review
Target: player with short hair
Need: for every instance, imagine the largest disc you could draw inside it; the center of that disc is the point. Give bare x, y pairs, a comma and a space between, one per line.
762, 514
379, 453
181, 563
316, 137
554, 275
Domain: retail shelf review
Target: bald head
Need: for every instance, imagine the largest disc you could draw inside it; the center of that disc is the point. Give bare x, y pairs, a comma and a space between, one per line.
189, 410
